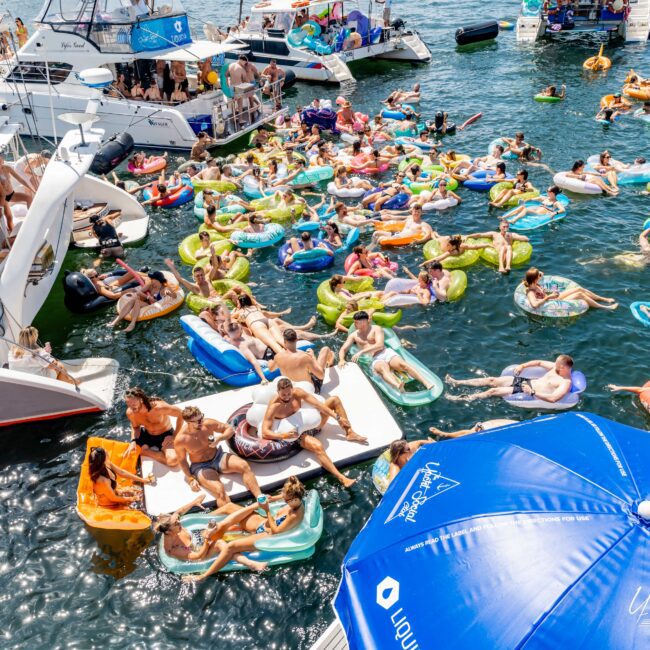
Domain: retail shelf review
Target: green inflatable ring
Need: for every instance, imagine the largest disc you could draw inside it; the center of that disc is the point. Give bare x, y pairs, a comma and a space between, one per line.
384, 318
218, 186
547, 99
521, 253
239, 270
198, 303
189, 246
432, 249
408, 161
327, 297
513, 202
457, 285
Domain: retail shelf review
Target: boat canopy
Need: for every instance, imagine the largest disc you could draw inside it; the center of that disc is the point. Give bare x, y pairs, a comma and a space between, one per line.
195, 51
291, 6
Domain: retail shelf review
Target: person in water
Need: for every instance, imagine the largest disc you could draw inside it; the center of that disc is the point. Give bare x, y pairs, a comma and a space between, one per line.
288, 401
151, 427
537, 295
642, 391
543, 206
578, 171
520, 186
298, 365
477, 428
28, 356
258, 527
551, 387
369, 340
502, 242
202, 459
103, 475
400, 452
306, 243
551, 91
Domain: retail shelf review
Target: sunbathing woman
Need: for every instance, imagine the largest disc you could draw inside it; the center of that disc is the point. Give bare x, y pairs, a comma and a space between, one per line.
260, 322
452, 246
537, 295
578, 171
520, 186
376, 262
104, 473
344, 182
258, 527
548, 205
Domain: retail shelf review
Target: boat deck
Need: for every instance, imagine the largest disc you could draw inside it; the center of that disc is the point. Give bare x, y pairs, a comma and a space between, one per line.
366, 412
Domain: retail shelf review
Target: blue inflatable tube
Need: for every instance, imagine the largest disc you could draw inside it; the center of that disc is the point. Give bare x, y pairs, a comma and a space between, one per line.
392, 115
477, 182
311, 260
397, 202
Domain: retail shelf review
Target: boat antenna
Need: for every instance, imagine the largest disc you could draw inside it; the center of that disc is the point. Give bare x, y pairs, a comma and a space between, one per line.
241, 10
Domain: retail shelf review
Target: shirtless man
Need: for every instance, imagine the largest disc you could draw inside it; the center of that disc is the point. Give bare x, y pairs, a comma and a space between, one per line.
33, 166
199, 440
239, 72
502, 241
199, 148
289, 401
440, 281
370, 340
253, 349
151, 428
201, 286
306, 243
271, 75
551, 387
413, 226
299, 365
8, 194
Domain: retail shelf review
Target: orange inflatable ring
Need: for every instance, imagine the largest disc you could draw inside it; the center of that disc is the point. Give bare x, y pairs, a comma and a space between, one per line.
96, 516
161, 307
394, 242
641, 93
608, 99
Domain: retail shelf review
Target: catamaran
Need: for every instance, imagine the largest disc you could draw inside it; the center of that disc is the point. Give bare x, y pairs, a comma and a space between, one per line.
318, 40
42, 79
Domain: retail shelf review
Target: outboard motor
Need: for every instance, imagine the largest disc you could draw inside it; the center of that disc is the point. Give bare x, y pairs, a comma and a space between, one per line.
398, 24
114, 151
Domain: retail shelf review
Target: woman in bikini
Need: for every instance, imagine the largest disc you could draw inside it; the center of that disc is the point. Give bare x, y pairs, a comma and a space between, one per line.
257, 526
520, 186
453, 246
343, 181
548, 205
104, 473
537, 295
259, 322
578, 171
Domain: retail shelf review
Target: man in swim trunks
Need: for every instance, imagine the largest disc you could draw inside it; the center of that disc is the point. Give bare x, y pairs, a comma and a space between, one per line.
199, 439
370, 340
299, 365
272, 74
8, 194
551, 387
151, 427
502, 242
288, 402
306, 243
440, 281
199, 148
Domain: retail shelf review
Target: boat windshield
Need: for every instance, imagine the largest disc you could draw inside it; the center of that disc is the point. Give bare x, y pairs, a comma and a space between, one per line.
120, 25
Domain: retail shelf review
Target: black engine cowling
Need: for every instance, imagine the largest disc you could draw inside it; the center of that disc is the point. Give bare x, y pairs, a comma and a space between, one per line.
112, 153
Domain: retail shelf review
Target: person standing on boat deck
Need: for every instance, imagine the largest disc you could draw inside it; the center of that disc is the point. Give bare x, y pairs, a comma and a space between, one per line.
7, 193
179, 75
288, 402
198, 440
236, 75
298, 365
21, 32
107, 235
151, 426
272, 75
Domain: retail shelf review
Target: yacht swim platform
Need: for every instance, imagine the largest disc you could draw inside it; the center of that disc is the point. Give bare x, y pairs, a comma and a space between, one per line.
366, 411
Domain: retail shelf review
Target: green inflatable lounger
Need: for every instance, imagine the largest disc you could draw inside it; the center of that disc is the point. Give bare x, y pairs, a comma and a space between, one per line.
296, 544
406, 397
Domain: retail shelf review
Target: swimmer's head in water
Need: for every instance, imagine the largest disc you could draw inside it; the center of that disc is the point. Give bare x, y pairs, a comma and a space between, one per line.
398, 448
455, 241
533, 275
162, 189
305, 236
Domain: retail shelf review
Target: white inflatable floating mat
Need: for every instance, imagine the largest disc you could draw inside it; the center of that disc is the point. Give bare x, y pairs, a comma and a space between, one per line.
366, 411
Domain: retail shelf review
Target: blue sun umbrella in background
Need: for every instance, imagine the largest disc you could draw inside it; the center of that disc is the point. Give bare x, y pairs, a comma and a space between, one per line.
535, 535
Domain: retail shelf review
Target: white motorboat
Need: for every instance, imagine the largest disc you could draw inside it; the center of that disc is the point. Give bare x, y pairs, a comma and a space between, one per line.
30, 260
318, 40
42, 79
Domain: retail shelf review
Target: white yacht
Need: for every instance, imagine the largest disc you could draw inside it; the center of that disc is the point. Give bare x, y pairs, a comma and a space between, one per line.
318, 40
30, 260
628, 19
127, 38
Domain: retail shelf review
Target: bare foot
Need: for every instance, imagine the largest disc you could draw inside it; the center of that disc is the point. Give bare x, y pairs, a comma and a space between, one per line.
437, 432
353, 436
113, 323
259, 566
450, 380
310, 323
456, 398
131, 326
612, 307
348, 482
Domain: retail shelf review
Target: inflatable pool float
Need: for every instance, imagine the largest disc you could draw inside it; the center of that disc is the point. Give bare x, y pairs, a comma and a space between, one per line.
176, 197
80, 295
406, 162
198, 303
222, 359
635, 308
331, 299
432, 128
166, 305
88, 508
552, 308
324, 118
526, 401
547, 99
273, 233
156, 164
606, 100
396, 202
440, 204
315, 259
635, 174
380, 471
575, 185
477, 33
416, 142
353, 257
479, 181
432, 249
358, 125
514, 200
598, 62
457, 287
507, 155
642, 93
434, 182
505, 25
217, 186
223, 215
534, 221
401, 398
640, 114
395, 241
189, 247
299, 543
313, 175
238, 271
521, 253
251, 188
361, 165
349, 192
382, 318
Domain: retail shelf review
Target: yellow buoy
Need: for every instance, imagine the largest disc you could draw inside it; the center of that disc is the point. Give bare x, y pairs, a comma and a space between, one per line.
597, 63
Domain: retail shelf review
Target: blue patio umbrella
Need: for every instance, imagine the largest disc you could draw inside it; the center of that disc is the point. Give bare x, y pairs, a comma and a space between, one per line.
534, 535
